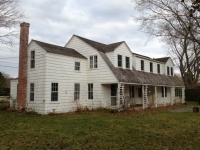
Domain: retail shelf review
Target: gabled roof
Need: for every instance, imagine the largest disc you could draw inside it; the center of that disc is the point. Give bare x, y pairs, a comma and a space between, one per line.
59, 49
100, 46
140, 77
163, 59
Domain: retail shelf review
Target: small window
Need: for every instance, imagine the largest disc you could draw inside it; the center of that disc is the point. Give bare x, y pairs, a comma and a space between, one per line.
32, 92
151, 67
77, 66
76, 91
93, 62
172, 72
54, 91
164, 91
32, 59
131, 91
178, 92
90, 91
139, 92
168, 71
127, 62
158, 68
142, 65
119, 58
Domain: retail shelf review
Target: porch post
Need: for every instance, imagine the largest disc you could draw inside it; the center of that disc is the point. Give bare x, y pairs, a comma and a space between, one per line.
144, 96
183, 95
172, 95
164, 96
156, 96
118, 95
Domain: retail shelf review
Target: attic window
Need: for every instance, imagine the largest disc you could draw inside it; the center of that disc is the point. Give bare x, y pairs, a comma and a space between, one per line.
127, 62
172, 71
158, 68
168, 71
119, 59
93, 62
151, 67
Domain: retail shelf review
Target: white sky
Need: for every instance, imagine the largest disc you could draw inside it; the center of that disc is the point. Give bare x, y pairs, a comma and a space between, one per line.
105, 21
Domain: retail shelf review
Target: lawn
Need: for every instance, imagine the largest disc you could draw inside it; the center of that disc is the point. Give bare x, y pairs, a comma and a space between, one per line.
95, 130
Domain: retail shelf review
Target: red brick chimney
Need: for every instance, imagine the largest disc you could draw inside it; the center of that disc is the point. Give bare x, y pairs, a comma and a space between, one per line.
23, 58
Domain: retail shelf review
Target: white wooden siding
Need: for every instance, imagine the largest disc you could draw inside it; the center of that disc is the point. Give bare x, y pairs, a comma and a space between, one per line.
169, 64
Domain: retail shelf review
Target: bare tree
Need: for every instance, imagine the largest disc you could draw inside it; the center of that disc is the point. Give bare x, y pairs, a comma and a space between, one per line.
10, 16
171, 21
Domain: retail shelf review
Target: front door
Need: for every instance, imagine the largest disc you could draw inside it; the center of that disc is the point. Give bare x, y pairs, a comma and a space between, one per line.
113, 94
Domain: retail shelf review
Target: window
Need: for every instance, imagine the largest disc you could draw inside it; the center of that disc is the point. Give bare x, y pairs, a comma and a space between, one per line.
119, 58
151, 67
168, 71
54, 91
139, 92
32, 92
158, 68
93, 62
142, 64
127, 62
131, 91
178, 92
164, 91
76, 91
77, 66
172, 71
32, 59
90, 91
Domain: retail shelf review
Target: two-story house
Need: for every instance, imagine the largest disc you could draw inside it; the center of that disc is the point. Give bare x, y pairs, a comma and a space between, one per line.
85, 73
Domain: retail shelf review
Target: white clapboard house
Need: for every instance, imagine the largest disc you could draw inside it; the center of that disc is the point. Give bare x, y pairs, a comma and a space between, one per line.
88, 74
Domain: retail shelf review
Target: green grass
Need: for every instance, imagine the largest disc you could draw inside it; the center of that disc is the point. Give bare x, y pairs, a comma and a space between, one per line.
144, 130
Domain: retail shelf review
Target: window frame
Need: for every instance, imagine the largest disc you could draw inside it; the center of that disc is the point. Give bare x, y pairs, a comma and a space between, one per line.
54, 91
178, 92
127, 62
164, 91
93, 61
32, 62
90, 91
32, 92
77, 67
142, 65
151, 66
119, 62
158, 68
76, 91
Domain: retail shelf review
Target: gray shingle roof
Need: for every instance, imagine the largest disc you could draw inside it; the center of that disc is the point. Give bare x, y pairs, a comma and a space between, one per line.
100, 46
140, 77
163, 59
59, 49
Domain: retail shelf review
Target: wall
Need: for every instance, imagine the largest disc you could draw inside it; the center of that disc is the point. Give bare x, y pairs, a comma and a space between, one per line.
169, 64
37, 76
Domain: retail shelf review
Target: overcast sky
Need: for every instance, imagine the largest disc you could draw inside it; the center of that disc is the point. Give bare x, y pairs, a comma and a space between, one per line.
105, 21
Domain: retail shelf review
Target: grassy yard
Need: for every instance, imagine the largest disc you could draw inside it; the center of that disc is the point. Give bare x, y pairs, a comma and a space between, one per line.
144, 130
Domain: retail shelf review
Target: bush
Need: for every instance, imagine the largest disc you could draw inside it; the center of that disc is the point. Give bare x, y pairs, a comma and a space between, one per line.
4, 105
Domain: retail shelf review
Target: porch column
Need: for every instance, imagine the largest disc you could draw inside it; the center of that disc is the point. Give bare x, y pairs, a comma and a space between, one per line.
156, 97
172, 95
164, 96
121, 97
144, 96
183, 95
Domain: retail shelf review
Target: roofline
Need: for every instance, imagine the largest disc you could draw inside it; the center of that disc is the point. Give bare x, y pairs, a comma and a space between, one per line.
146, 57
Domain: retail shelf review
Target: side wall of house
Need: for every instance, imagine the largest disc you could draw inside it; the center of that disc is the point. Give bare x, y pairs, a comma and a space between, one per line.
37, 76
137, 62
61, 69
169, 64
98, 76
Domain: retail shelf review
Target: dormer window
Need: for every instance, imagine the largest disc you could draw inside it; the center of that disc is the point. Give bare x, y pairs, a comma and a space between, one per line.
127, 62
158, 68
142, 65
119, 58
168, 71
32, 59
93, 62
151, 67
172, 72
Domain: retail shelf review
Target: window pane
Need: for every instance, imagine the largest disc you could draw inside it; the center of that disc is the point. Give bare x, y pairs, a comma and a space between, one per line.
167, 70
95, 61
91, 61
127, 62
158, 68
54, 91
151, 67
77, 65
119, 60
90, 91
142, 64
171, 71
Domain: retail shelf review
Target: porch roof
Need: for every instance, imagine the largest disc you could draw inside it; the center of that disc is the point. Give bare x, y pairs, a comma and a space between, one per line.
140, 77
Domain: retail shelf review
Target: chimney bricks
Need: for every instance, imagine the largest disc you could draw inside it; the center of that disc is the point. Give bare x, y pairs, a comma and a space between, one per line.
23, 58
